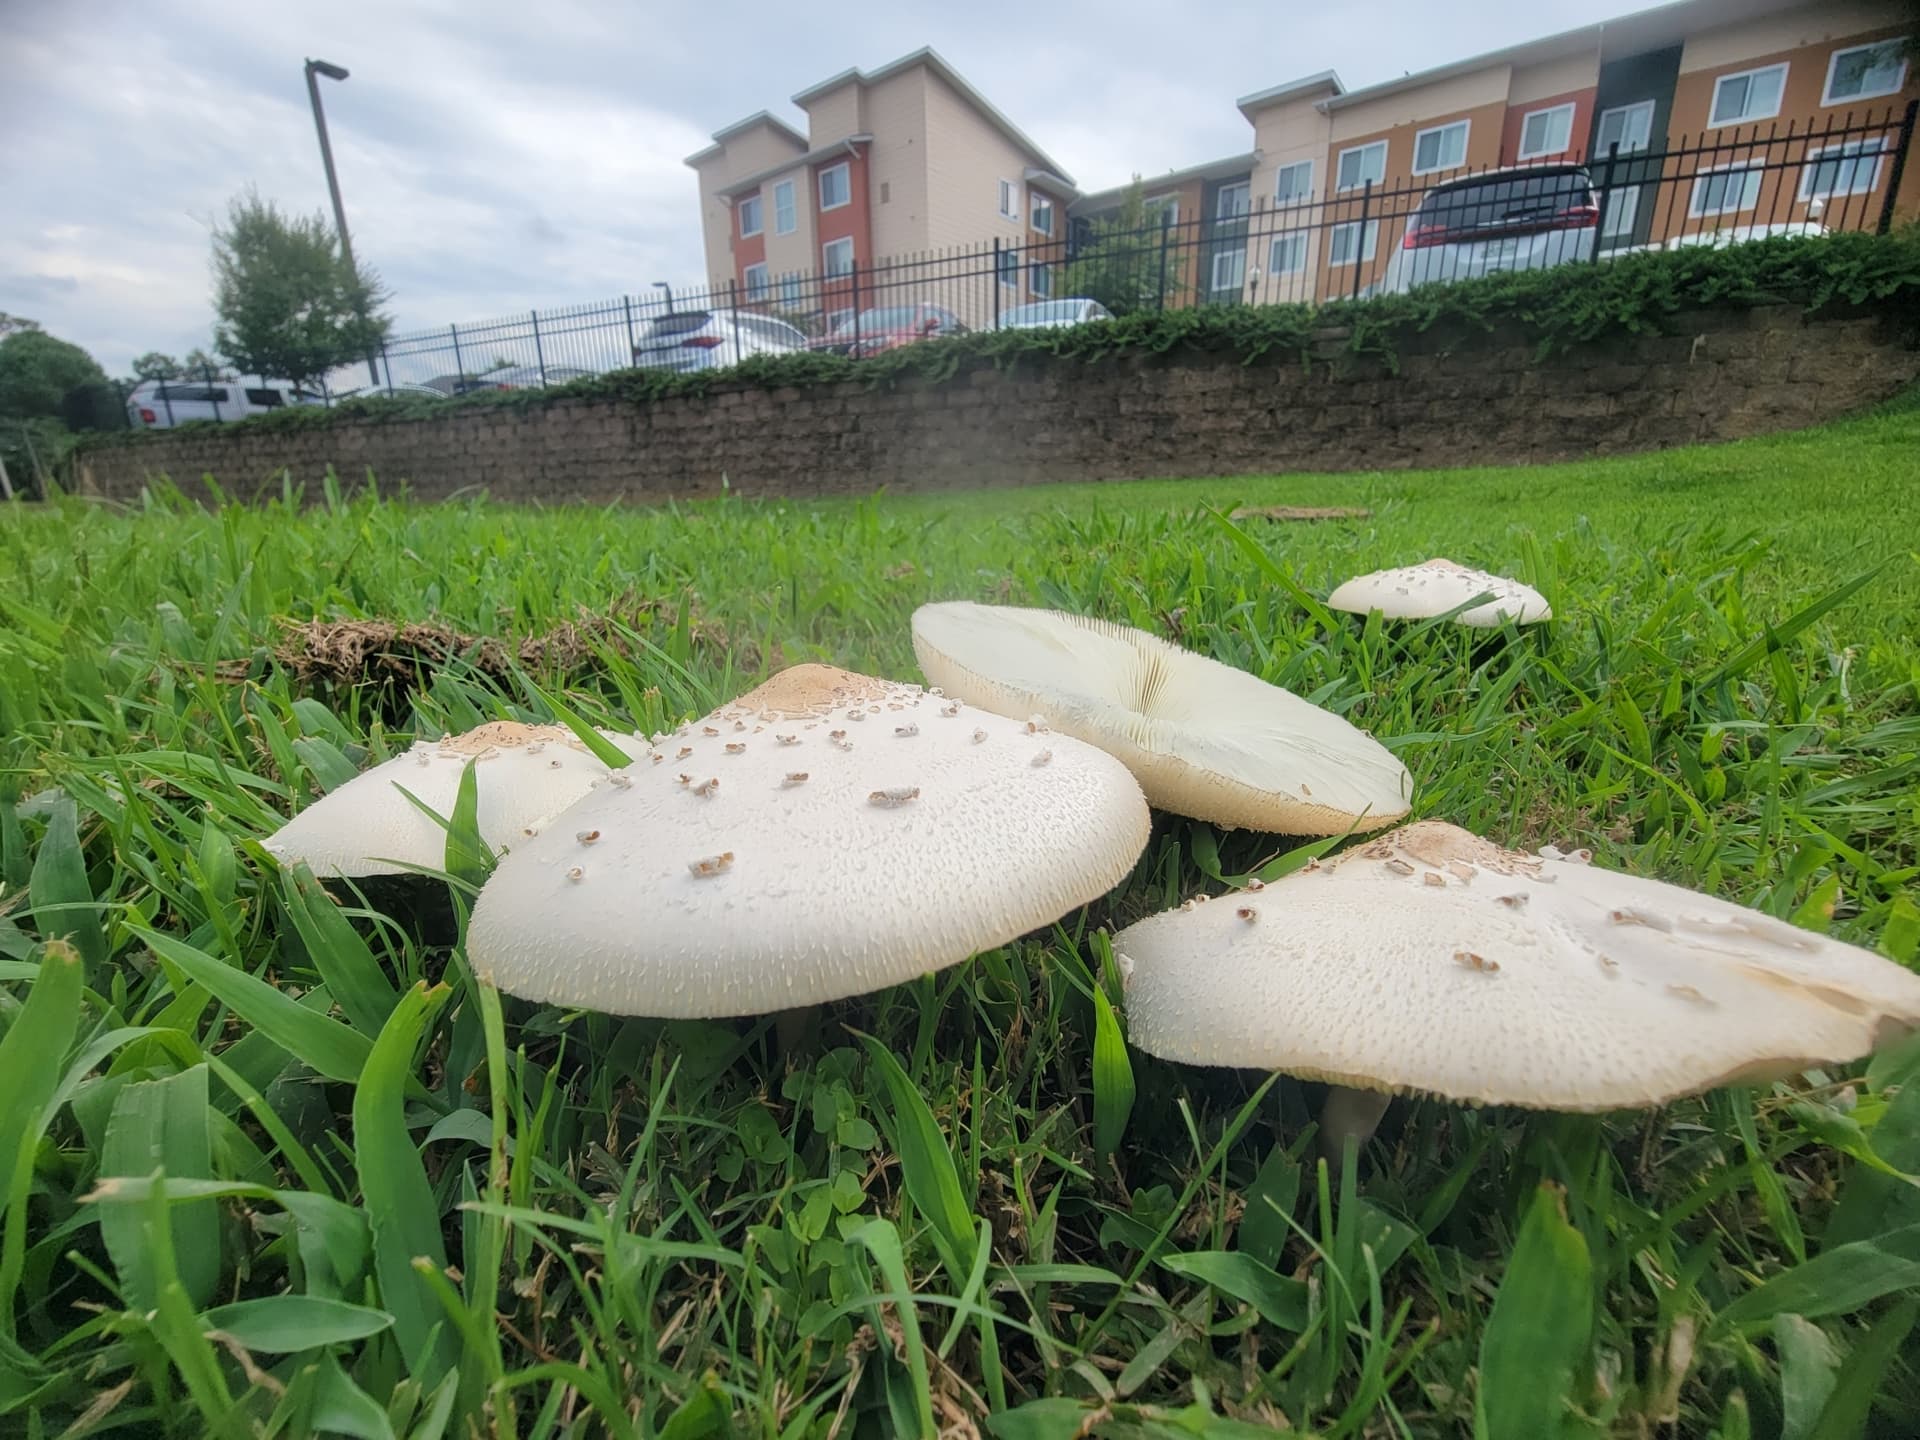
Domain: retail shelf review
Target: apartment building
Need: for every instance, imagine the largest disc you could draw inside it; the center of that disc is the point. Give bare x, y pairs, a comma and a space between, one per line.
1721, 80
899, 161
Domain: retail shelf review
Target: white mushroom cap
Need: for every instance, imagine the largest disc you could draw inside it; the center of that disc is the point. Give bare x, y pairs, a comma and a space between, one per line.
1419, 592
1430, 960
1202, 738
822, 836
524, 775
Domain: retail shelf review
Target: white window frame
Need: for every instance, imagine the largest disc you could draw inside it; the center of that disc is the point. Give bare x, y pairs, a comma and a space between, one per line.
1157, 205
1645, 143
1009, 200
1217, 284
1713, 108
1898, 44
1220, 210
750, 205
1274, 267
1525, 120
764, 286
1856, 150
1749, 195
1340, 164
1038, 205
1305, 195
1464, 126
845, 171
1623, 211
1369, 242
793, 289
826, 261
1009, 268
1040, 280
792, 208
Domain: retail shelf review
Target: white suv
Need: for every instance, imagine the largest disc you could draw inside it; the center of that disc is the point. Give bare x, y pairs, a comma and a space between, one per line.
162, 404
712, 339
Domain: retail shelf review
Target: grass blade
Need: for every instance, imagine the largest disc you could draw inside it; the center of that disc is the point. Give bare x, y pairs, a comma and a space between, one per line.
30, 1055
162, 1124
1112, 1077
286, 1324
344, 962
1535, 1343
926, 1164
63, 905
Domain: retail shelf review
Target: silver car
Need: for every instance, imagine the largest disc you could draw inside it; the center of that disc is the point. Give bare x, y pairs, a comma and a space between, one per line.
1529, 217
712, 339
1053, 314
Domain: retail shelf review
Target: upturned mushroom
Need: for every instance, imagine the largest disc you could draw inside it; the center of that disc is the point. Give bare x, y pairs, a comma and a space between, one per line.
1436, 587
825, 835
1202, 738
1433, 962
525, 774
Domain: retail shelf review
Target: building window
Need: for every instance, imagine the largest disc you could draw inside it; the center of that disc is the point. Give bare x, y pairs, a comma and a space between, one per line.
836, 187
1849, 169
1040, 280
836, 256
785, 220
1009, 200
1866, 72
1229, 270
1042, 212
1293, 184
1750, 95
1161, 210
1546, 132
1361, 164
1628, 126
793, 290
1444, 147
1623, 208
749, 217
1288, 254
1007, 261
1233, 201
1346, 239
1726, 189
756, 278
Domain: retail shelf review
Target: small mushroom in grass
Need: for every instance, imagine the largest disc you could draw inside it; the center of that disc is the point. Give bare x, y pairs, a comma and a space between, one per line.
1203, 738
525, 775
1518, 980
1420, 592
788, 887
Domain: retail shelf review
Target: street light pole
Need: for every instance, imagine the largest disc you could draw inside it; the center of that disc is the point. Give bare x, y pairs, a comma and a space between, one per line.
334, 72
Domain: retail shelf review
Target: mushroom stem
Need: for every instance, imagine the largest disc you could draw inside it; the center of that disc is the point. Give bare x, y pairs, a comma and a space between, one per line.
793, 1030
1350, 1113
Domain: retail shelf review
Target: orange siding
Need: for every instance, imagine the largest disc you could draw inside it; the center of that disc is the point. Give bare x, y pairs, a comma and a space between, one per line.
1582, 102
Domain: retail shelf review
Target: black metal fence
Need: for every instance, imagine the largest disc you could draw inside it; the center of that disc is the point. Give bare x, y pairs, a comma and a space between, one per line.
1263, 244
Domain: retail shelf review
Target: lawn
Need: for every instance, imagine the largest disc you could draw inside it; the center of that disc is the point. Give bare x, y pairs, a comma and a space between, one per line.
633, 1228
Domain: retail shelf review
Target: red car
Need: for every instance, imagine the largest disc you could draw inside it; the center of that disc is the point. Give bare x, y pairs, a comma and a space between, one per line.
889, 327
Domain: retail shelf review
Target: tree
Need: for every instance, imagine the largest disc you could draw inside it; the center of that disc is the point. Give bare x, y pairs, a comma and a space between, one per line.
200, 364
10, 323
155, 366
38, 372
1120, 263
289, 306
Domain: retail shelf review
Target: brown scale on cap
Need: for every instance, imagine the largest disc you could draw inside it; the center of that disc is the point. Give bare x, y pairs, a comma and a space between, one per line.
809, 691
495, 733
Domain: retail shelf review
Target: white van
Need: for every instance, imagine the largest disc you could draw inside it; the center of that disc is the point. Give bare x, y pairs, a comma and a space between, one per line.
162, 404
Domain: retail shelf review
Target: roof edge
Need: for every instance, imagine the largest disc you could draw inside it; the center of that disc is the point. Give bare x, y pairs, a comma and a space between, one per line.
727, 132
1305, 85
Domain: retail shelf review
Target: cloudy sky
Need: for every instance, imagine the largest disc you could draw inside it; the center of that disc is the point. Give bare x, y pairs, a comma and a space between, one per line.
498, 156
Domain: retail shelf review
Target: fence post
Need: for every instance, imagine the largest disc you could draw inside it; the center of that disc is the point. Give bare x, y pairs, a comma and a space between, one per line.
459, 365
539, 355
1898, 170
1606, 201
1166, 235
853, 278
633, 345
386, 364
165, 387
733, 316
206, 375
1360, 236
996, 282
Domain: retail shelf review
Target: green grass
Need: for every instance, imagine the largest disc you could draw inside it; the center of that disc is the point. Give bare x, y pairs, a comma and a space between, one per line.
264, 1157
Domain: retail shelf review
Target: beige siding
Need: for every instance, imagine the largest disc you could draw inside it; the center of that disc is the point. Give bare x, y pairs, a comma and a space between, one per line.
756, 149
788, 253
966, 158
836, 115
1454, 95
1553, 79
716, 220
1283, 134
896, 111
1813, 25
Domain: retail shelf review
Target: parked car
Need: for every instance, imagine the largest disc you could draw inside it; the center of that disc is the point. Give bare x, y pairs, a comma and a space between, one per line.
530, 377
888, 327
161, 404
1053, 314
712, 339
1526, 217
398, 390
